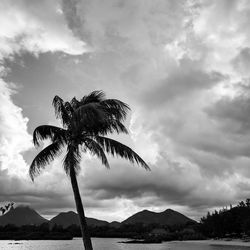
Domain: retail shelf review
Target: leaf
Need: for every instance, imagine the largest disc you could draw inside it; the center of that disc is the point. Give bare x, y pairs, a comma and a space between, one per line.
44, 132
43, 158
97, 150
116, 148
94, 97
116, 108
62, 110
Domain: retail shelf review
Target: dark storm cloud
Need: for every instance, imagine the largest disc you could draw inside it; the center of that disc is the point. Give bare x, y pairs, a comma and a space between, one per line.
242, 61
232, 114
38, 80
184, 81
232, 119
20, 191
74, 21
168, 183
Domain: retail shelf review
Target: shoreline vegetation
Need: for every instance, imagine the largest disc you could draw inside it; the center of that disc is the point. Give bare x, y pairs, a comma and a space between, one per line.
136, 232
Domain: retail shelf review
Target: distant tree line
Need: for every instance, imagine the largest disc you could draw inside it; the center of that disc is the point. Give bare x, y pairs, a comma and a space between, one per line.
37, 232
190, 231
227, 222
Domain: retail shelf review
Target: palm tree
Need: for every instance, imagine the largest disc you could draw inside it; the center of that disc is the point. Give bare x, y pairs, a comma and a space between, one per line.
86, 123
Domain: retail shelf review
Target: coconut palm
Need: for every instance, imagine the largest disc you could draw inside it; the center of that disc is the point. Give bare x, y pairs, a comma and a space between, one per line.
85, 126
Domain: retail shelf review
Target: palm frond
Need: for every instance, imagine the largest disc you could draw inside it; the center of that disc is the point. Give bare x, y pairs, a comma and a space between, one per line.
116, 108
58, 103
109, 126
116, 148
61, 110
94, 119
44, 132
97, 150
75, 103
69, 108
43, 158
95, 96
88, 117
72, 159
117, 126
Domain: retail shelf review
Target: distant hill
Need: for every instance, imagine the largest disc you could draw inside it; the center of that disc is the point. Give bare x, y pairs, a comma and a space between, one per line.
115, 224
68, 218
168, 217
65, 219
96, 223
22, 215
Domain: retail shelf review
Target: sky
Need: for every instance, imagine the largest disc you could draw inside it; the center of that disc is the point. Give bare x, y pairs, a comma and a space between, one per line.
182, 66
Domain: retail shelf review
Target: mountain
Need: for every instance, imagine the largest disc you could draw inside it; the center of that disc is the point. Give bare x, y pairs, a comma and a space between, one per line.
115, 224
22, 215
96, 223
168, 217
65, 219
68, 218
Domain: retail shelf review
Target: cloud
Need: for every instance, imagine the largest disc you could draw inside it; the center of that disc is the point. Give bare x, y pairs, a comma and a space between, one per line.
14, 139
231, 113
242, 62
47, 194
186, 79
170, 183
115, 25
36, 27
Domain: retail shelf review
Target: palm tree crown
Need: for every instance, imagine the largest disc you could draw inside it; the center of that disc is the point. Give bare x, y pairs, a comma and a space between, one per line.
86, 123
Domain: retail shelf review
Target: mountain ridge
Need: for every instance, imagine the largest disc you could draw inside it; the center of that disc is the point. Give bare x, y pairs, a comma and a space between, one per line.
66, 219
24, 215
168, 217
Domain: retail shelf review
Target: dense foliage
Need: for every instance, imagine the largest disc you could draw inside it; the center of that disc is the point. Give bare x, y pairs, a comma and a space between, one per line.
33, 232
228, 222
137, 231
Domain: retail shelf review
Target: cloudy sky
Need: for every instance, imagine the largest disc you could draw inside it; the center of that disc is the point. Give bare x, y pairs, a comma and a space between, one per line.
182, 66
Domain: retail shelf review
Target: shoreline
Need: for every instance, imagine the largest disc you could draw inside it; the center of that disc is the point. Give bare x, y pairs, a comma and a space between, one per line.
234, 242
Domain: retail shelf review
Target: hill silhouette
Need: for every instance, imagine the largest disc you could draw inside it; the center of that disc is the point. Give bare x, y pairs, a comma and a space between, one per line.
22, 215
168, 217
66, 219
115, 224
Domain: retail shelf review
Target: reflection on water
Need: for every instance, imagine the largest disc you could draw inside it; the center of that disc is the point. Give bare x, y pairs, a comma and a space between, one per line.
110, 244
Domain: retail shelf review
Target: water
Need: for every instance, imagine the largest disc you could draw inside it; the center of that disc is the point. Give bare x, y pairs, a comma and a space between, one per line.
112, 244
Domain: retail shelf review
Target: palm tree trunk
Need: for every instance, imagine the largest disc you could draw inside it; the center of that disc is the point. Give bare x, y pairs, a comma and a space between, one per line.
83, 224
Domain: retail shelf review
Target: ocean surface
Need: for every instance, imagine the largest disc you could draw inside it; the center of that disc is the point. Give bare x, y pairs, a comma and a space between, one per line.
112, 244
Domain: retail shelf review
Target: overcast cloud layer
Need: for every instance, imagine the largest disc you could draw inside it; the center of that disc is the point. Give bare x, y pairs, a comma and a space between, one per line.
182, 66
